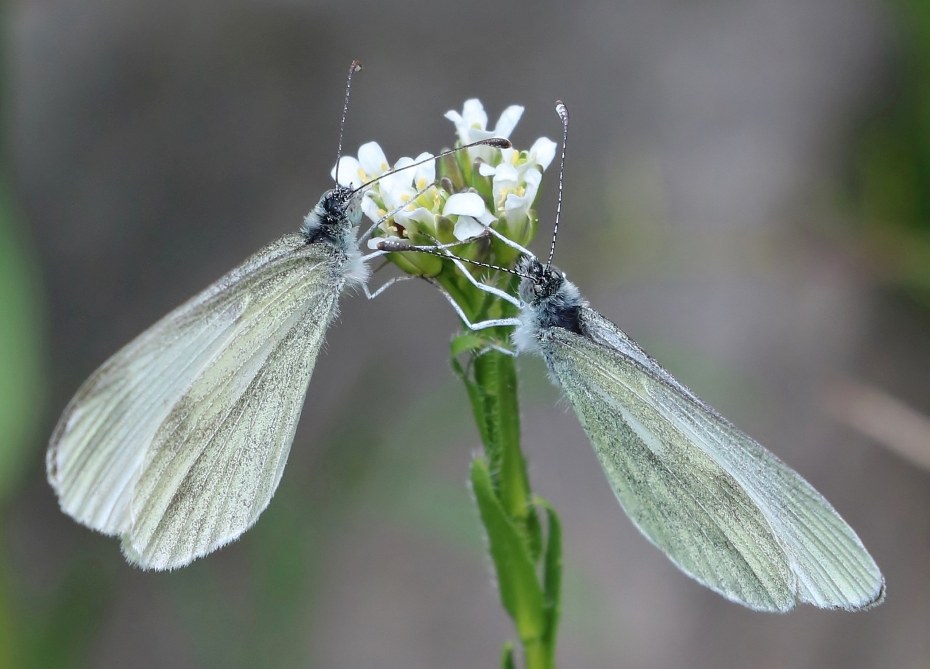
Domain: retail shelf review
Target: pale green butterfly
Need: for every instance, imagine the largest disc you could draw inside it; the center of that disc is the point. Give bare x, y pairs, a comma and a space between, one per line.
177, 443
724, 509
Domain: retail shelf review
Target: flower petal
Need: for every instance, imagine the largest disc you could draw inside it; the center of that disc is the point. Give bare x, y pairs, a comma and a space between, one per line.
531, 179
348, 172
464, 204
421, 219
508, 121
397, 182
487, 218
372, 159
471, 123
425, 174
466, 228
515, 207
542, 152
506, 174
474, 115
372, 210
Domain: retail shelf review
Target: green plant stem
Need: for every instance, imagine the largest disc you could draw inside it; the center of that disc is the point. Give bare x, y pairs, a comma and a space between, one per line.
528, 567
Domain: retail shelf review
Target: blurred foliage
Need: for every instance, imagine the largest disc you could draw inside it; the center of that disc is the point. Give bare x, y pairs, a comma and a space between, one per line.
58, 628
892, 163
20, 347
20, 385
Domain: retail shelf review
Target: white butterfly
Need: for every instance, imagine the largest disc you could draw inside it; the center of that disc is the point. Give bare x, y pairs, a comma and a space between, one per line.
177, 442
725, 510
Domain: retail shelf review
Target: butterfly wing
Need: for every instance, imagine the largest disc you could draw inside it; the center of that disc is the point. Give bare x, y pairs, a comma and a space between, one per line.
724, 509
178, 441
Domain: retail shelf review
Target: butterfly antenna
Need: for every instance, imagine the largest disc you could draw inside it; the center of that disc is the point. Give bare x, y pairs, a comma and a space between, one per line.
495, 142
353, 68
440, 250
563, 114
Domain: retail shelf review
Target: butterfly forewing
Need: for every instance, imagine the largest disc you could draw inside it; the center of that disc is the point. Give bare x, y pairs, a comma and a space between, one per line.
212, 391
723, 508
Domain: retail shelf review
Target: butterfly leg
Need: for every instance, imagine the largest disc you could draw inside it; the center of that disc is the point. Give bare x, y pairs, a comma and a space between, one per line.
387, 284
480, 325
497, 292
499, 349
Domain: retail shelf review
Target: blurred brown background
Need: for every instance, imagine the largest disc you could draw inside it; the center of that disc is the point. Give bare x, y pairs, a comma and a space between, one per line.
748, 195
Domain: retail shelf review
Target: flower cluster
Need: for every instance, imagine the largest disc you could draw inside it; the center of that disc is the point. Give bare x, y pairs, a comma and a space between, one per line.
456, 197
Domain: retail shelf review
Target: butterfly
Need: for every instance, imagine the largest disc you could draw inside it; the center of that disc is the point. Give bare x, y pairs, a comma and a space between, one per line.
177, 443
724, 509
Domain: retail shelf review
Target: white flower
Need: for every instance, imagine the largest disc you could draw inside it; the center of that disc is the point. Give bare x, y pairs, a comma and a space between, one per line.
408, 204
515, 181
471, 126
542, 152
404, 183
473, 215
539, 156
399, 192
352, 172
518, 201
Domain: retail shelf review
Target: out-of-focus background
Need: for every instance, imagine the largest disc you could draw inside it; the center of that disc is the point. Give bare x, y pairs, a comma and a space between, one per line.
748, 195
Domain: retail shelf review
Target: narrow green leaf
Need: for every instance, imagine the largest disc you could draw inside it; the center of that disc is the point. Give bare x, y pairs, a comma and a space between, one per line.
533, 532
552, 574
516, 574
507, 659
476, 399
467, 341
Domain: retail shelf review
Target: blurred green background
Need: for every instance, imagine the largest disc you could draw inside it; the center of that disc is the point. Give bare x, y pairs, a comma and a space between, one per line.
748, 195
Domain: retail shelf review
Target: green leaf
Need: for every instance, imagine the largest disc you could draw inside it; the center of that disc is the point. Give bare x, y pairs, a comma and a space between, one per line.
516, 574
552, 574
533, 533
465, 342
507, 660
476, 398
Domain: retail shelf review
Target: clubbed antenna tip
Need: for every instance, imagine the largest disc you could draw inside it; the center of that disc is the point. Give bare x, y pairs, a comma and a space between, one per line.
395, 245
498, 143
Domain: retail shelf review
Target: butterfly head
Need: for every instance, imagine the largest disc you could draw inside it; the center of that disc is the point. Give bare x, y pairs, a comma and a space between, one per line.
335, 217
539, 283
549, 299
